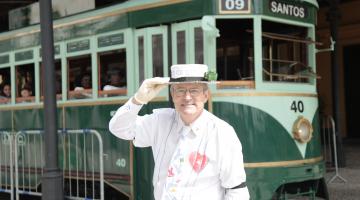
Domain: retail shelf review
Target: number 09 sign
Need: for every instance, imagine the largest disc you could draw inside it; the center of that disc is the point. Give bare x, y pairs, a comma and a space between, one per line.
234, 6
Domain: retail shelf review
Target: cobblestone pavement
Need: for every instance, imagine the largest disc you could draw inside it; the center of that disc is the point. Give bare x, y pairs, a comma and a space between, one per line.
349, 190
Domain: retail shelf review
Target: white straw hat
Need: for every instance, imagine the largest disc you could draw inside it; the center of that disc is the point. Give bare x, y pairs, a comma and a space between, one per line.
191, 73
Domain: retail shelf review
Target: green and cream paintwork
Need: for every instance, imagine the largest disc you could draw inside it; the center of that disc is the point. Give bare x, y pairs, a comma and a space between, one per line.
261, 116
280, 108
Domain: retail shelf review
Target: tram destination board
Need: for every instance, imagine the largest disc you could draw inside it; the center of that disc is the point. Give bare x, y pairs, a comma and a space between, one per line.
234, 6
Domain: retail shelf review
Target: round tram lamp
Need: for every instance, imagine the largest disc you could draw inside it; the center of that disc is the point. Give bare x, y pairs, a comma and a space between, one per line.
302, 130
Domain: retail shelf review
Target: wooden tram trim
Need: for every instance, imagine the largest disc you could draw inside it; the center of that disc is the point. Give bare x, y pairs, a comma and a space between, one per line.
105, 101
108, 14
284, 163
281, 94
226, 84
72, 103
118, 92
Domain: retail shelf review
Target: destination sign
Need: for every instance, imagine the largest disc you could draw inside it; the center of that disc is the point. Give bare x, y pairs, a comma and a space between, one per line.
78, 46
280, 7
234, 6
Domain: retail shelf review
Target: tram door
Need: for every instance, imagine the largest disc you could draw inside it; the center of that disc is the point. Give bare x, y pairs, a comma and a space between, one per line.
187, 43
151, 52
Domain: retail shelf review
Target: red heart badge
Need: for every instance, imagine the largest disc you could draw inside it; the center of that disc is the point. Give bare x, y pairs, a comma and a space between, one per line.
197, 161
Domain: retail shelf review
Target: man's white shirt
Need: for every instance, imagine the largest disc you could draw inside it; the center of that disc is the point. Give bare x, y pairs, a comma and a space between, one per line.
200, 161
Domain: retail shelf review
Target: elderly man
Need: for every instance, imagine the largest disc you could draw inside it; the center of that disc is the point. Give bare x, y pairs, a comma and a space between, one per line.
197, 155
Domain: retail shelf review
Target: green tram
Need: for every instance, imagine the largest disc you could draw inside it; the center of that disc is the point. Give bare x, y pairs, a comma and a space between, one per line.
264, 54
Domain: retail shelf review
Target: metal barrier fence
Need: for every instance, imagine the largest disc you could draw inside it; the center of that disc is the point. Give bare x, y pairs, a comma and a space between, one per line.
329, 146
6, 167
80, 157
83, 166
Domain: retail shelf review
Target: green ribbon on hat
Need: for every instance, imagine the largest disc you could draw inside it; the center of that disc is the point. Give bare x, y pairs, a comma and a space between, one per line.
211, 76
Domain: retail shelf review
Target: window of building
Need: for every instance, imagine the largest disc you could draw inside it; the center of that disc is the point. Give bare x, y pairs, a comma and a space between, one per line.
112, 73
79, 77
25, 83
235, 53
285, 50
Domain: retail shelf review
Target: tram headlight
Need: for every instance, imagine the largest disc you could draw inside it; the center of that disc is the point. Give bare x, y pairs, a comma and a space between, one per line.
302, 130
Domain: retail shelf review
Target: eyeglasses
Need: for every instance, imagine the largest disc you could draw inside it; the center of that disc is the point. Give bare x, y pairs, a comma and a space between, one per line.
194, 92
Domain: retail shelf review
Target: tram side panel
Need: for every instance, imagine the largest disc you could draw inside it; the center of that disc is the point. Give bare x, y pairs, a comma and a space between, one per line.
116, 158
269, 150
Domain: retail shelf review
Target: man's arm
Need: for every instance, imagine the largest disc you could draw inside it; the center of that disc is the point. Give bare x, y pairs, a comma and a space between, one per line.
123, 123
126, 124
232, 174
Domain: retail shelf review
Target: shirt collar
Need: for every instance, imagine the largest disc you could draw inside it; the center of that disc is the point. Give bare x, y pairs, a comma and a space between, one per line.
198, 125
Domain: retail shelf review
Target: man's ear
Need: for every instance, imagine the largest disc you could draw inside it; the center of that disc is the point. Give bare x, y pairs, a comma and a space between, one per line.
206, 94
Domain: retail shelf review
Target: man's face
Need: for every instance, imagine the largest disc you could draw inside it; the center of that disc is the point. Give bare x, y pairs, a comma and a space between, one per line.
189, 99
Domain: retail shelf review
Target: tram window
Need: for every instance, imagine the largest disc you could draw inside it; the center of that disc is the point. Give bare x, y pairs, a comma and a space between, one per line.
141, 59
181, 51
58, 86
25, 85
234, 50
112, 76
5, 85
158, 57
199, 46
285, 53
79, 77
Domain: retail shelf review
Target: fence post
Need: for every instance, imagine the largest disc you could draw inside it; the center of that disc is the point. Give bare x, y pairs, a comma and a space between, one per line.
337, 175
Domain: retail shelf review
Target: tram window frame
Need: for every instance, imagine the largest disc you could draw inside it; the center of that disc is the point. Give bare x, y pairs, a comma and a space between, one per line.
75, 92
141, 57
181, 46
104, 73
199, 45
19, 88
236, 44
5, 79
285, 53
157, 54
57, 65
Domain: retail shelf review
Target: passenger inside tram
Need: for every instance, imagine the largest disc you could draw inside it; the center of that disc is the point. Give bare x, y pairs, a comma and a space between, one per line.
6, 91
25, 84
80, 80
112, 74
83, 86
26, 91
114, 81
